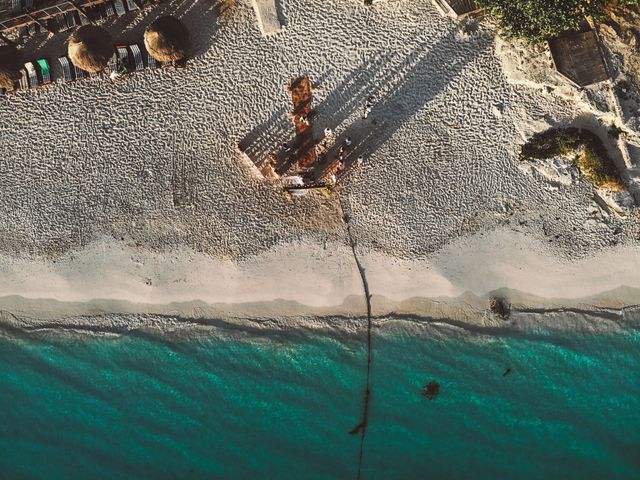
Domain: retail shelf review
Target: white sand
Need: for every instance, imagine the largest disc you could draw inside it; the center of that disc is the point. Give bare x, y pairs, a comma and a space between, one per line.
136, 192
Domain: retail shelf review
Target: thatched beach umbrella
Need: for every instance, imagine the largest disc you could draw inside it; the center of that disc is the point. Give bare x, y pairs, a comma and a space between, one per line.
167, 39
90, 48
10, 65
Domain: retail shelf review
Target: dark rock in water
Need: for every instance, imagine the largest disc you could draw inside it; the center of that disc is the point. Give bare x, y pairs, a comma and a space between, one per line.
357, 429
431, 390
500, 307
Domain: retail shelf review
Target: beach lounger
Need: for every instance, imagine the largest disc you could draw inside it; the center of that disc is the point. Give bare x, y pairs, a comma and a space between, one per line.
54, 24
95, 13
84, 20
72, 19
100, 11
131, 6
45, 71
79, 73
151, 62
28, 4
65, 65
109, 10
119, 6
33, 75
123, 57
113, 63
137, 57
16, 5
24, 80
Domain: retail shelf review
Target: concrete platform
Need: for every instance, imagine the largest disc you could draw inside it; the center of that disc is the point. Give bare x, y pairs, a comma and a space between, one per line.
267, 14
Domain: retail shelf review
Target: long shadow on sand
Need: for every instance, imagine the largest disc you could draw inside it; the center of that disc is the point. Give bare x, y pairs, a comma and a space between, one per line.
396, 86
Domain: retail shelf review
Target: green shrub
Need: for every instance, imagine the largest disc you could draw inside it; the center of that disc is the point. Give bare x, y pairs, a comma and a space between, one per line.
538, 20
588, 152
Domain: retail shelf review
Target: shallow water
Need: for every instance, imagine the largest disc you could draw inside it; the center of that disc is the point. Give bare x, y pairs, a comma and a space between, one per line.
279, 406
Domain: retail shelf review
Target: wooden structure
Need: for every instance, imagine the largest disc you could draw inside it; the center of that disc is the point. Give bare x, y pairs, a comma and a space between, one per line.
301, 89
305, 162
577, 56
275, 159
456, 8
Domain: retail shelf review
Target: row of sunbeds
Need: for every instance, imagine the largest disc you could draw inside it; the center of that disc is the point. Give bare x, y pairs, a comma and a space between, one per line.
67, 21
35, 74
127, 59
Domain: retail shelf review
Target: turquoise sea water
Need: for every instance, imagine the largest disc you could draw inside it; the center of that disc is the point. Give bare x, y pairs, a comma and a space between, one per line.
280, 406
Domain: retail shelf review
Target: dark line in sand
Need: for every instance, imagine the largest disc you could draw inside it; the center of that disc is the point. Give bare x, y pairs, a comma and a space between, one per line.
362, 426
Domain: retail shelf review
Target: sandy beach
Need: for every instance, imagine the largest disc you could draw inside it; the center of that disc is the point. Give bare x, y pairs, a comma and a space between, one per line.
132, 198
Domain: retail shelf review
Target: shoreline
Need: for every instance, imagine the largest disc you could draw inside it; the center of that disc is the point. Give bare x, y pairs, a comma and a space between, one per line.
295, 285
417, 316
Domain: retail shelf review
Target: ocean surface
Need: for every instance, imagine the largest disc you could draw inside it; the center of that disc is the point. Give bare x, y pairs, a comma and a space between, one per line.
280, 405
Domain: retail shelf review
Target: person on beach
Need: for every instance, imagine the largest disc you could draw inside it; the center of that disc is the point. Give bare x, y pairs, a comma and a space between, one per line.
327, 132
359, 160
286, 147
347, 141
367, 108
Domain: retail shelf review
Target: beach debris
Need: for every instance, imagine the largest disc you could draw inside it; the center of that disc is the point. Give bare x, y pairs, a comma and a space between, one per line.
500, 307
507, 372
431, 390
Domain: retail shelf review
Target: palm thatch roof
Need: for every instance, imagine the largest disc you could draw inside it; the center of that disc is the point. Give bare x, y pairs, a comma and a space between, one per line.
167, 39
90, 48
10, 65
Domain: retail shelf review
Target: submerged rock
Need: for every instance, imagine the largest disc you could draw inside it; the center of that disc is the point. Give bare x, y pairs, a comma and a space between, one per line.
431, 390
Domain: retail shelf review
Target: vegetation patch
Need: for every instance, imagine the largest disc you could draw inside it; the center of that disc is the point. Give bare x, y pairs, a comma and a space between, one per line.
538, 20
584, 147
